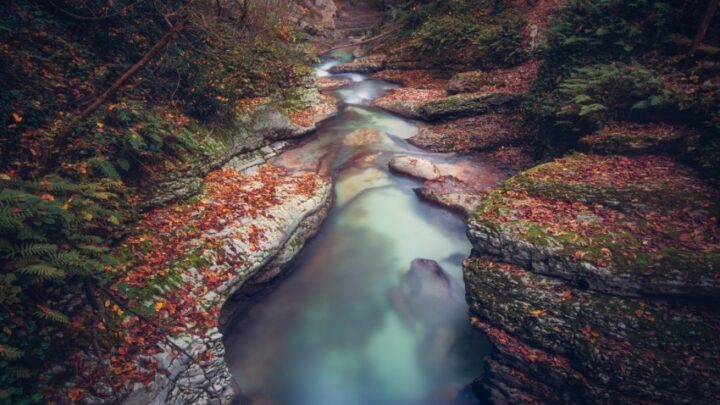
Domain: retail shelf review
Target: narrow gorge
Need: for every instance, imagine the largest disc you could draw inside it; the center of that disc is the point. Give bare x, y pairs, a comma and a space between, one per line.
360, 202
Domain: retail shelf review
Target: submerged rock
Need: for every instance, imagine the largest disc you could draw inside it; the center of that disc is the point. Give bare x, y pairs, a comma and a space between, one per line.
429, 294
365, 137
414, 167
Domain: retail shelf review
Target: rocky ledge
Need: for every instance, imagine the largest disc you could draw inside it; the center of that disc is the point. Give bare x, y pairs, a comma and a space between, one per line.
185, 261
431, 99
596, 278
257, 133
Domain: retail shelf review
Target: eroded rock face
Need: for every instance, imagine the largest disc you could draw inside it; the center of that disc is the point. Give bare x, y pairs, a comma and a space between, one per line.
560, 344
621, 225
297, 204
595, 279
414, 167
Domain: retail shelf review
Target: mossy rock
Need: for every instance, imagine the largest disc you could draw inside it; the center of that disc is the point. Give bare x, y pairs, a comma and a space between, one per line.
592, 347
630, 138
469, 104
622, 225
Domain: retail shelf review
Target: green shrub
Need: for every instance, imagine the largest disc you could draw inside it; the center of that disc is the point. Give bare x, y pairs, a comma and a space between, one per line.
618, 91
491, 43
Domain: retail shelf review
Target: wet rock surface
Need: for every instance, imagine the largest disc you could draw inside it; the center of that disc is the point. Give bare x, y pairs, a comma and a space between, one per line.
595, 277
414, 167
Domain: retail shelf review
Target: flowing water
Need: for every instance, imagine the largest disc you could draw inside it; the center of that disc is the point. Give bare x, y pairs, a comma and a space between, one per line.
352, 324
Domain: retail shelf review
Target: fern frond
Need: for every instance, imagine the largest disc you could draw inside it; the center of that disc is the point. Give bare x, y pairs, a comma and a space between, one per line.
42, 271
34, 249
49, 314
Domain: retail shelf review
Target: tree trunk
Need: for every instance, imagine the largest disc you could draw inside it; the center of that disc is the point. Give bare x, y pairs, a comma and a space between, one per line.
63, 136
702, 30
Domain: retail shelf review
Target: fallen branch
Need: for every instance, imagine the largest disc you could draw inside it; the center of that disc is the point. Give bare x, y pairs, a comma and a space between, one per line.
375, 38
61, 139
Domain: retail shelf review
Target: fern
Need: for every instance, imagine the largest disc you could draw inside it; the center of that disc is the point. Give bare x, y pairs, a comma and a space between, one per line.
42, 271
34, 250
105, 168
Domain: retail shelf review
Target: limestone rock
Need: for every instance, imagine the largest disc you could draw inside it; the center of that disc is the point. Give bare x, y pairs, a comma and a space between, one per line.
628, 138
561, 344
414, 167
616, 224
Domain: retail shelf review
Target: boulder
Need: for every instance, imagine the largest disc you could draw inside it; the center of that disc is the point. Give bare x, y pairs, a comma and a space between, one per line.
430, 294
414, 167
469, 104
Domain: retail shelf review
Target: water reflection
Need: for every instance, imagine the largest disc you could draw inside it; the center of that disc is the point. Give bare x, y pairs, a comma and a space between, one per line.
353, 323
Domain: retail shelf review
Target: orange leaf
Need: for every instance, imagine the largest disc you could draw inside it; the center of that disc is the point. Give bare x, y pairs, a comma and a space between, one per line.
48, 197
17, 117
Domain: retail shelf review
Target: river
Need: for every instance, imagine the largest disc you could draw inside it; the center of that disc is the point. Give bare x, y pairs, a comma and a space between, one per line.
351, 324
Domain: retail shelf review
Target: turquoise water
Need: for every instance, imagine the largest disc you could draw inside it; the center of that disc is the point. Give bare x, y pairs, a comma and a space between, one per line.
351, 324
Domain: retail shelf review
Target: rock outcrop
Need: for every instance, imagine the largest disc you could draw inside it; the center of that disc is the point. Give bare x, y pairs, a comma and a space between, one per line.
249, 244
254, 136
595, 277
416, 167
